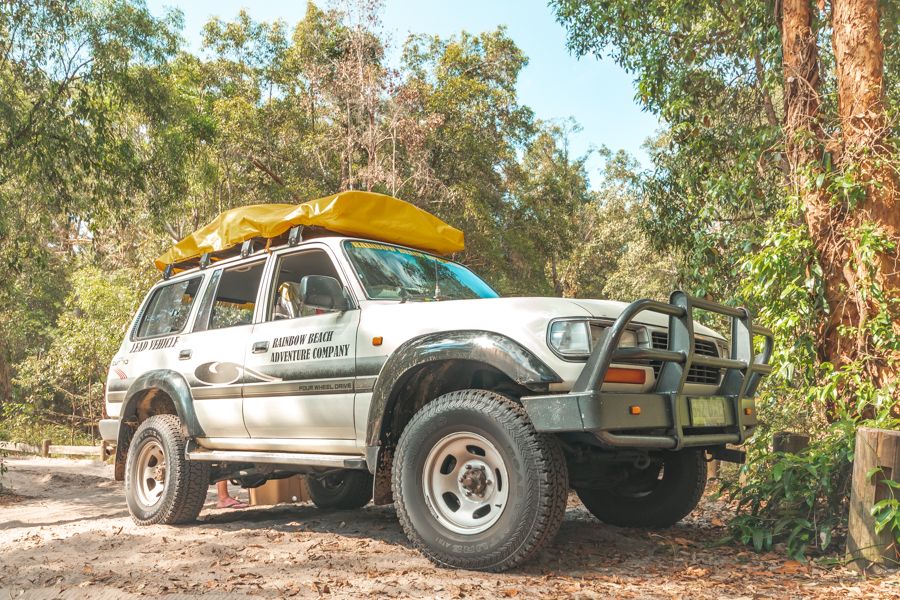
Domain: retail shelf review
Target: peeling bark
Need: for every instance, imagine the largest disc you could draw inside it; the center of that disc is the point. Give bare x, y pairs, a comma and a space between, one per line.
866, 142
833, 225
805, 141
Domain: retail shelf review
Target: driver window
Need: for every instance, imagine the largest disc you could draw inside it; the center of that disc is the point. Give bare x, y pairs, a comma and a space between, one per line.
292, 268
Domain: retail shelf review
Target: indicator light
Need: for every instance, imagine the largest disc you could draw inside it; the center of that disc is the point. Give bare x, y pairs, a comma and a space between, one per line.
620, 375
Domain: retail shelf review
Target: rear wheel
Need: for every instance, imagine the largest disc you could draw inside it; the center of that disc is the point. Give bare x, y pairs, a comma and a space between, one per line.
476, 487
657, 496
342, 490
161, 486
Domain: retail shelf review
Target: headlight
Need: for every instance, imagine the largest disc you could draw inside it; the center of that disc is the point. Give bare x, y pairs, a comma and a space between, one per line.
629, 339
576, 338
570, 338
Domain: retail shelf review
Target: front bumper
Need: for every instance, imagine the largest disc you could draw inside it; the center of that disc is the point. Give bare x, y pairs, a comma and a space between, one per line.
666, 418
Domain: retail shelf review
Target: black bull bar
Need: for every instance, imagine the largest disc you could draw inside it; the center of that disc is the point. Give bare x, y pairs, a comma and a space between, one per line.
665, 417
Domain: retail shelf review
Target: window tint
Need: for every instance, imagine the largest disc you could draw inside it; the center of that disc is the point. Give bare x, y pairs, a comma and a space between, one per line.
235, 296
291, 269
168, 309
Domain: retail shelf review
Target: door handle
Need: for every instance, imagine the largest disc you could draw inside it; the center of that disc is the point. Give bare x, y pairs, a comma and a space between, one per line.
184, 354
260, 347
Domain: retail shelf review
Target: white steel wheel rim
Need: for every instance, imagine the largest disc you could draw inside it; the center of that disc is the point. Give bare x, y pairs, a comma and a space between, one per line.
465, 482
150, 474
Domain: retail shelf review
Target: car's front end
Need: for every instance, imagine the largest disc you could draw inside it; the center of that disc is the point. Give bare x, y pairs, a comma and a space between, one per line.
682, 385
644, 375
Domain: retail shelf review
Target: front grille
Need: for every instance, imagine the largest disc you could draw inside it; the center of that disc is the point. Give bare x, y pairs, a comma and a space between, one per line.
697, 373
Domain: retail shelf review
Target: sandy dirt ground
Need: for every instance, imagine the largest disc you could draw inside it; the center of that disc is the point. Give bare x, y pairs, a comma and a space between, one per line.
68, 535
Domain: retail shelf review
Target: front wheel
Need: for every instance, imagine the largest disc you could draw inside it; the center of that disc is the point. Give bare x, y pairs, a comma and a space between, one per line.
161, 485
476, 487
657, 496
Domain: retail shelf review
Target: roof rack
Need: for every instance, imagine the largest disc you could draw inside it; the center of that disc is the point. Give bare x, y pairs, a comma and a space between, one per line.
296, 235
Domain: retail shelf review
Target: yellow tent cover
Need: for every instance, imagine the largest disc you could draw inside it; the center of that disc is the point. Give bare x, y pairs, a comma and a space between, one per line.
353, 213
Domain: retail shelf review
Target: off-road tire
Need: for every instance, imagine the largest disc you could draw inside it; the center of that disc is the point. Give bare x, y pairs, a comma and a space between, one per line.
347, 490
674, 496
186, 482
537, 485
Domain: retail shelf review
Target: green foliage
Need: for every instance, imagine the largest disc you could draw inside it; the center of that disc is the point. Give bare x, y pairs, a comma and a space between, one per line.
65, 381
120, 141
796, 499
886, 511
801, 500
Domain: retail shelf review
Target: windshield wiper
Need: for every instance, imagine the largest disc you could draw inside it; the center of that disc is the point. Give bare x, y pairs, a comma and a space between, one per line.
406, 295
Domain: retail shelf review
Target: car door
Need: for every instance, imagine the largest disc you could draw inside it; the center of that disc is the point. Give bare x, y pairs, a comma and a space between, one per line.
310, 356
212, 356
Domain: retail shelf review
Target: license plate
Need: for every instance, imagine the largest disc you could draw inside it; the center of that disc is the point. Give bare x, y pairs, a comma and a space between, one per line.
708, 412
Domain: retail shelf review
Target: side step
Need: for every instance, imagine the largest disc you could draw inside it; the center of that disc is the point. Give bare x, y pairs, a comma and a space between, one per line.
332, 461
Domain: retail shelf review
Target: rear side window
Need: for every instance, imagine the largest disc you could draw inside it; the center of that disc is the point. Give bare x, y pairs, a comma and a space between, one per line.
168, 309
235, 298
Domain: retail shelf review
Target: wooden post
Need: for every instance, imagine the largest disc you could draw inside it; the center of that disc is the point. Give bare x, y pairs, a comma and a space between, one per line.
791, 443
875, 448
45, 448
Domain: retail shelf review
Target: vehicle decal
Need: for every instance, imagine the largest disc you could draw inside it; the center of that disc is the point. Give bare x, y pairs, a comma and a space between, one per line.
312, 387
316, 347
306, 370
154, 344
223, 373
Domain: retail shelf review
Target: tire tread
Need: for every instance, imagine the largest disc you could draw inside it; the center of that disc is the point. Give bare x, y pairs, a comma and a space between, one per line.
550, 479
191, 479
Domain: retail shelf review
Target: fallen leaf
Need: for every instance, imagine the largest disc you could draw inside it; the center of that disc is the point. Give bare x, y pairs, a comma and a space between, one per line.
791, 567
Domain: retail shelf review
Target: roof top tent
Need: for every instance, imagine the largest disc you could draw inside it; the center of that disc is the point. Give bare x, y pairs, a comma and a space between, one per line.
352, 213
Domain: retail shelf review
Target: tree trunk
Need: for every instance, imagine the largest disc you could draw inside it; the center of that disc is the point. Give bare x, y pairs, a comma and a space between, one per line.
834, 224
805, 143
867, 146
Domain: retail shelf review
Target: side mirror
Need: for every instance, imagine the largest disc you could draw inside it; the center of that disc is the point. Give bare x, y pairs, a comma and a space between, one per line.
321, 291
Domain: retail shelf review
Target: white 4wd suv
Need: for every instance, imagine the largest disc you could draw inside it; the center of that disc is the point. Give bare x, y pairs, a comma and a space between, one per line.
386, 371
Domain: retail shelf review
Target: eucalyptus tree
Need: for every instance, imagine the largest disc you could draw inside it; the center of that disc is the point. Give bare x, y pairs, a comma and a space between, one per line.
778, 146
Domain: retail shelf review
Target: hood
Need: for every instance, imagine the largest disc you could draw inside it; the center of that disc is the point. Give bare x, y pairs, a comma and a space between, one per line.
490, 313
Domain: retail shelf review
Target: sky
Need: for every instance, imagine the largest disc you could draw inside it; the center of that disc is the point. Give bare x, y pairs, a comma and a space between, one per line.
597, 94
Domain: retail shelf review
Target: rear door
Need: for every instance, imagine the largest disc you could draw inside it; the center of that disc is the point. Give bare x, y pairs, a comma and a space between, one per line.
212, 356
309, 356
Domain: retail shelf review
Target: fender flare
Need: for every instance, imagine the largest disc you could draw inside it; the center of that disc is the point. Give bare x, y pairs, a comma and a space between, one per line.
173, 385
499, 351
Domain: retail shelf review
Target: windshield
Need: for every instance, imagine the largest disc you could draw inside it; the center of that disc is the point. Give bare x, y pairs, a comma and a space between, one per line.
393, 273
